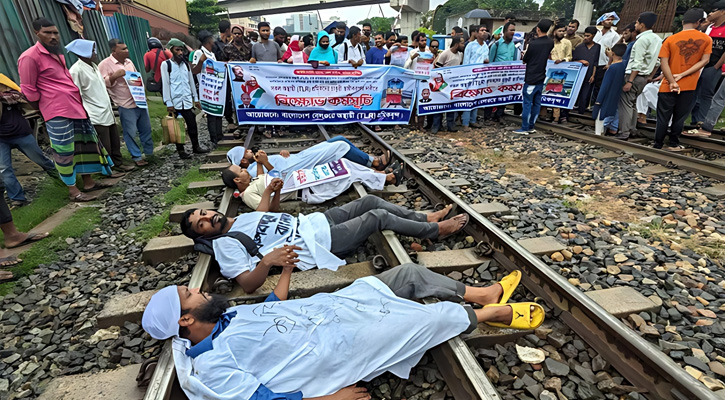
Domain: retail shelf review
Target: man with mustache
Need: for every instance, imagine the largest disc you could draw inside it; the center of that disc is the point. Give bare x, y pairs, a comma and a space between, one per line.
48, 86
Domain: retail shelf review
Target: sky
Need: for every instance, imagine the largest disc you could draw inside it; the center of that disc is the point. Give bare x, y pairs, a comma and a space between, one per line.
351, 14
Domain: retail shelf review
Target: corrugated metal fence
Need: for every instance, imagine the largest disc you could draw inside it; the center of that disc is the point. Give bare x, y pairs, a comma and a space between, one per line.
16, 31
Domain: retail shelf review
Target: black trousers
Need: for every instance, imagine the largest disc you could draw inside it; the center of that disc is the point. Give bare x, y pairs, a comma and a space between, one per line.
192, 131
598, 78
676, 107
111, 141
214, 124
5, 215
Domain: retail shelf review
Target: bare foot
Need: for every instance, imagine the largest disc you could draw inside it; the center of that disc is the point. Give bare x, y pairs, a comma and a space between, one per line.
6, 275
439, 215
484, 295
451, 226
23, 238
390, 178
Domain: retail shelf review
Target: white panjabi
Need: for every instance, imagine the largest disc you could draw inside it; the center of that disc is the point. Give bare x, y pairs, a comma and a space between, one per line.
162, 314
236, 154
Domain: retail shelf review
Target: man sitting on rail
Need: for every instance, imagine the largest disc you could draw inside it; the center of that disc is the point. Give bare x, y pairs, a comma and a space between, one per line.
321, 153
318, 238
264, 192
321, 346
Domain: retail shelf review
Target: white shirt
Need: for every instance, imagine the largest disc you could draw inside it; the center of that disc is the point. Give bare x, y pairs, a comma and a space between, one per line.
354, 53
318, 154
608, 40
273, 230
179, 89
197, 57
93, 92
317, 345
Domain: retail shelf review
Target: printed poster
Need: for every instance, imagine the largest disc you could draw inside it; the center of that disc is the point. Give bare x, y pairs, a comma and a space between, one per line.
317, 175
424, 63
134, 80
213, 87
272, 93
461, 88
399, 56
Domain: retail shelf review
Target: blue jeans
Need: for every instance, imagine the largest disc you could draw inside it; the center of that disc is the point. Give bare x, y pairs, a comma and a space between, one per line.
450, 121
136, 120
354, 154
532, 106
29, 146
612, 123
468, 117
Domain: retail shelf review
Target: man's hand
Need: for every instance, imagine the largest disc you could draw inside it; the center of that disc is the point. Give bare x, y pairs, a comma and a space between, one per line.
558, 61
170, 110
276, 184
627, 87
675, 87
349, 393
261, 157
284, 256
203, 57
118, 74
284, 153
677, 77
253, 60
290, 61
591, 80
414, 56
197, 105
584, 62
325, 63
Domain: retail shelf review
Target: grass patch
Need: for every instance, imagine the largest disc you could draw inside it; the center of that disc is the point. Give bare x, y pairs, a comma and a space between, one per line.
51, 196
157, 110
47, 250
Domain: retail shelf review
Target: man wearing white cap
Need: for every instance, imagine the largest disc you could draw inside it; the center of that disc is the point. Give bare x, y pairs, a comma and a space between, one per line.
90, 82
606, 38
323, 345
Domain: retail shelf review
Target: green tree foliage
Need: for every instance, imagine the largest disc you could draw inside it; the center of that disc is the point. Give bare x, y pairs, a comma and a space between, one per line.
453, 7
563, 8
427, 19
380, 24
204, 14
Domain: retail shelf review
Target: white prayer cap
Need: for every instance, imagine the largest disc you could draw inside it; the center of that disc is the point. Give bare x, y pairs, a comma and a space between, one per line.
235, 155
162, 314
81, 48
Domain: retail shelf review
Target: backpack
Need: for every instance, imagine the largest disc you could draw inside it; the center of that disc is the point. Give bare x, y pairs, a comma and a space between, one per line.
151, 84
188, 66
205, 245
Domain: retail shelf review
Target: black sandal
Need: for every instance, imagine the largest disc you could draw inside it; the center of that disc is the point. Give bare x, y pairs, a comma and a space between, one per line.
382, 167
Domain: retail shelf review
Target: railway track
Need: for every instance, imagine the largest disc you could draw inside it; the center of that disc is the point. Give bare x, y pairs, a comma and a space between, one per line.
711, 169
640, 363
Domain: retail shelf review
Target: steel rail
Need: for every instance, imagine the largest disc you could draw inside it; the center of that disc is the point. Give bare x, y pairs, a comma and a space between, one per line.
710, 144
640, 362
663, 157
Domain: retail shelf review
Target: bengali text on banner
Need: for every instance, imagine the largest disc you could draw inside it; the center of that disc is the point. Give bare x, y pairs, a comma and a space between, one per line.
465, 87
213, 87
269, 93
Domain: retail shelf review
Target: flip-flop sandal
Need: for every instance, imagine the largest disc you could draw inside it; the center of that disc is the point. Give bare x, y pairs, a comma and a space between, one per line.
523, 317
221, 286
32, 237
398, 173
509, 284
395, 165
141, 163
98, 186
146, 372
82, 198
389, 156
9, 261
467, 218
117, 175
451, 212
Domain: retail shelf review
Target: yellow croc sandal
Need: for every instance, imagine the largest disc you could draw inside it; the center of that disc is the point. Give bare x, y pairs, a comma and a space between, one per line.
523, 317
509, 284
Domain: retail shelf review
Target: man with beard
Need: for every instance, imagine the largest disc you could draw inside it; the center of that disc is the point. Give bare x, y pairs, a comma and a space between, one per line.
180, 95
476, 54
352, 51
280, 348
47, 85
571, 35
560, 53
340, 34
134, 120
88, 78
213, 122
266, 50
367, 38
606, 39
321, 153
318, 239
587, 53
280, 37
240, 48
225, 37
536, 57
642, 62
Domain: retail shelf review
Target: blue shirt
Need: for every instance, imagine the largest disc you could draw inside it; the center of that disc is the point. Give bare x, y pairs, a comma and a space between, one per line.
502, 51
262, 393
475, 53
375, 56
628, 52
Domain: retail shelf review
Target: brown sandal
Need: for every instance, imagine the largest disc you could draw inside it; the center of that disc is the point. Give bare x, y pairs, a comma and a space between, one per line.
82, 198
146, 372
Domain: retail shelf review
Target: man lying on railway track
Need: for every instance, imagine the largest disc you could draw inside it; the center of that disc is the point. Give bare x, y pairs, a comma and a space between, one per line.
264, 193
321, 346
321, 153
318, 238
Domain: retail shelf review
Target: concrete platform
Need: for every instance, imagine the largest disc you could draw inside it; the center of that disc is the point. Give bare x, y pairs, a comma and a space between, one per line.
178, 211
450, 260
220, 166
622, 301
163, 249
454, 182
716, 191
542, 245
429, 165
654, 170
123, 307
606, 155
307, 283
487, 208
412, 152
117, 384
205, 185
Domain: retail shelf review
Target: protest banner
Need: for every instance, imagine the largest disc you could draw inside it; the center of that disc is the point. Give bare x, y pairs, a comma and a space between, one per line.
424, 64
135, 85
399, 55
269, 93
309, 177
464, 87
213, 87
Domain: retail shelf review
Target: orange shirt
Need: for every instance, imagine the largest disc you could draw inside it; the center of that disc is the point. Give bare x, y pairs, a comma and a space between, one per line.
683, 50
